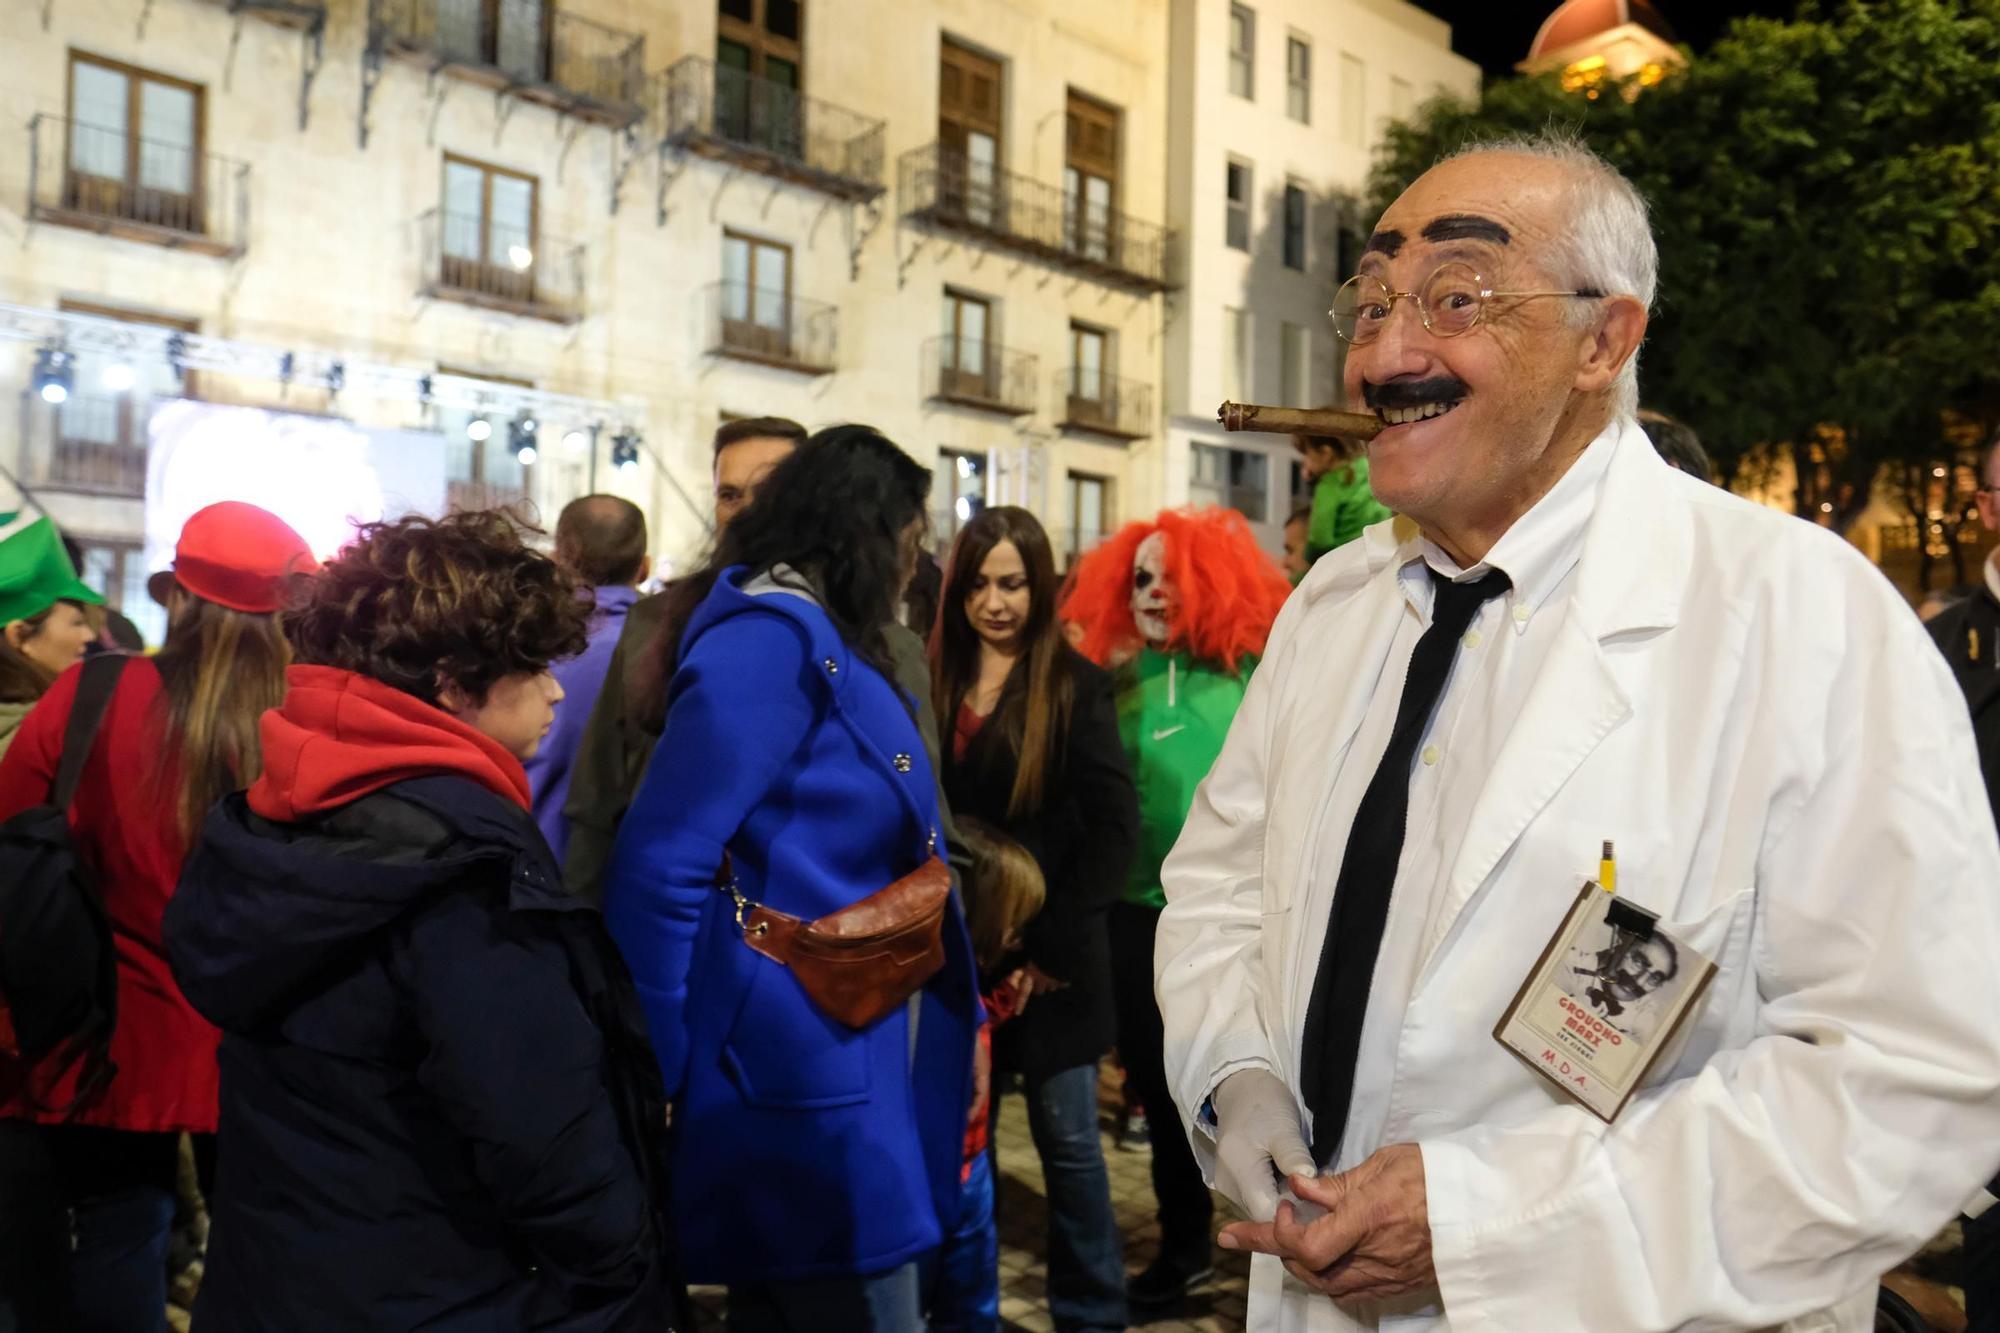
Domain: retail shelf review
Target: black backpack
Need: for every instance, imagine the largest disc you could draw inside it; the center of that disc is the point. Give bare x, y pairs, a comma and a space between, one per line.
58, 970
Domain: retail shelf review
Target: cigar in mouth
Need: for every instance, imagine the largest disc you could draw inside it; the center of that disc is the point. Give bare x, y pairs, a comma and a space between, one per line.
1299, 420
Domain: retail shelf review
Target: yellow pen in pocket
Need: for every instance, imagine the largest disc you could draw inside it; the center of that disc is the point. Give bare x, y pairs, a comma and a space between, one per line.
1607, 869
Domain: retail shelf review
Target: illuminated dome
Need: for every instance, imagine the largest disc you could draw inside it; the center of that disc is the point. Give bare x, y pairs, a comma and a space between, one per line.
1592, 41
1581, 21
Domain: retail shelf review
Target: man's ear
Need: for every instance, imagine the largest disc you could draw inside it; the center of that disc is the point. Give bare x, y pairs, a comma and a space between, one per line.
645, 570
16, 632
1620, 328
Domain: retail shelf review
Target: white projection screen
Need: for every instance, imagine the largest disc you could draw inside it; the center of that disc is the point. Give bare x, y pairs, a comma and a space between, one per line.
322, 475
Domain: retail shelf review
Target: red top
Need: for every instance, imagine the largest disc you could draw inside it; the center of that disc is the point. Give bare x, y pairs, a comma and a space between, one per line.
339, 736
964, 728
124, 825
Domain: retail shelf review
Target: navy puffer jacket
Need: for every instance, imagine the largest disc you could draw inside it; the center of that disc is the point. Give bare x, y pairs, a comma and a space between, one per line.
439, 1108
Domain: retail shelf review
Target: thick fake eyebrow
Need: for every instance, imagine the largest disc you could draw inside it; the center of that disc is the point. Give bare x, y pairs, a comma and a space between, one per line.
1387, 241
1465, 227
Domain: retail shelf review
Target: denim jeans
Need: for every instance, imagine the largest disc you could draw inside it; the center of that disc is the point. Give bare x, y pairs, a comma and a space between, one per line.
879, 1303
963, 1277
1086, 1252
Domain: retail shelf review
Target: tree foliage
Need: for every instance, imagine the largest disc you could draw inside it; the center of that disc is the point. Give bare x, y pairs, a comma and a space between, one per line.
1826, 197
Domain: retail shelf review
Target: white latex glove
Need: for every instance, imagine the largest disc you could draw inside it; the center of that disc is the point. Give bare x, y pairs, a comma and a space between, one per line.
1259, 1142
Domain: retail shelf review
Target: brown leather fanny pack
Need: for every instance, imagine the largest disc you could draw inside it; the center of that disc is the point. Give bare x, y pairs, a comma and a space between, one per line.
863, 962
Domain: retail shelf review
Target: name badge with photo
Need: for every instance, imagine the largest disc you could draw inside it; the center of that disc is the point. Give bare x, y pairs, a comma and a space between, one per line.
1603, 1001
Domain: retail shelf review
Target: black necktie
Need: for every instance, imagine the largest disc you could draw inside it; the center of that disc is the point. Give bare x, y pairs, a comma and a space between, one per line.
1368, 870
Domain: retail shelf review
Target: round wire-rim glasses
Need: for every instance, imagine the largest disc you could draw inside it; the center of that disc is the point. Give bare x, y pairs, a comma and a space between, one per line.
1451, 301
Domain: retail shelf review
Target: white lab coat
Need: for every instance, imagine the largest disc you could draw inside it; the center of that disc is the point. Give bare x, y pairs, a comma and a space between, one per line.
1749, 710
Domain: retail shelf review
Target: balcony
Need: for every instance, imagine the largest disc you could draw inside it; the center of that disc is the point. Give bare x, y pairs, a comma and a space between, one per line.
771, 327
1090, 400
462, 496
473, 261
97, 443
108, 181
300, 14
942, 189
734, 116
979, 375
556, 59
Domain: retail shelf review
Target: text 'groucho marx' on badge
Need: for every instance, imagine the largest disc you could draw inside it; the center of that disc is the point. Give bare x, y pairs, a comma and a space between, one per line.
1604, 1001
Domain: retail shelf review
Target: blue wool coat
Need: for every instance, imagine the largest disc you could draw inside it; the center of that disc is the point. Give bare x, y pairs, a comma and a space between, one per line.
803, 1149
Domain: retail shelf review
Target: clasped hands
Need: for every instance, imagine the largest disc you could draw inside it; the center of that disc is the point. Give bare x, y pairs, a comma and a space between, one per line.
1366, 1234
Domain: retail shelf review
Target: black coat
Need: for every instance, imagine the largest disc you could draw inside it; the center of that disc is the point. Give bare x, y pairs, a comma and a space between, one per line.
439, 1108
1969, 635
1083, 837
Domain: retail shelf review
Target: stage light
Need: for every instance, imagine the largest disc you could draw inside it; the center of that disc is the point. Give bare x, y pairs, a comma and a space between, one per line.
54, 375
521, 435
478, 430
521, 257
575, 441
118, 377
625, 451
963, 508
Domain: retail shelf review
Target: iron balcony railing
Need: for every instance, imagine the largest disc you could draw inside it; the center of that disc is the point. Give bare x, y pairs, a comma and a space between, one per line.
461, 496
980, 374
97, 443
772, 327
943, 188
106, 179
731, 113
1090, 399
547, 55
308, 15
478, 261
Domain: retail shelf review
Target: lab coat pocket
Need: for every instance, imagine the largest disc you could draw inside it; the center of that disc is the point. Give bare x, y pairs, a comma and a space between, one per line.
1720, 934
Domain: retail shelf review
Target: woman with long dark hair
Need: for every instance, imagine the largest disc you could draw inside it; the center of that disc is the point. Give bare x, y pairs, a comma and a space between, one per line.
819, 1104
180, 732
1034, 750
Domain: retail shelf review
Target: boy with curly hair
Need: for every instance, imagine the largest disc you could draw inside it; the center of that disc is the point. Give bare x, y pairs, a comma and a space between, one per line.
438, 1101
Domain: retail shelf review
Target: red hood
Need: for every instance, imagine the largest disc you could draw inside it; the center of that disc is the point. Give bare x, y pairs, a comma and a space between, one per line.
339, 736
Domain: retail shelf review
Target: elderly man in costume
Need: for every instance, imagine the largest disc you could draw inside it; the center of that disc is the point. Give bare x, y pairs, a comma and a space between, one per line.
1563, 641
1179, 607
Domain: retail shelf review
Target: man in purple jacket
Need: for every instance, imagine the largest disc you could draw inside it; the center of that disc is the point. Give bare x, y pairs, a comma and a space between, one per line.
603, 539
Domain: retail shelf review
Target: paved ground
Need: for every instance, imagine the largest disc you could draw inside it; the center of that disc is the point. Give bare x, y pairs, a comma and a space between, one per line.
1219, 1307
1023, 1276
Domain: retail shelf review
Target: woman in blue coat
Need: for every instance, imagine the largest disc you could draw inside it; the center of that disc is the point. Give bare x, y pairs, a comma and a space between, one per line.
813, 1161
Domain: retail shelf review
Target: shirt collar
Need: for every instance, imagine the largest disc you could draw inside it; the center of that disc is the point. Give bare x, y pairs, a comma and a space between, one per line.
615, 596
1536, 553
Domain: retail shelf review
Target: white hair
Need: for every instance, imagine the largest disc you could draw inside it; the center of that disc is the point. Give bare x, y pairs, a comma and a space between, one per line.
1607, 244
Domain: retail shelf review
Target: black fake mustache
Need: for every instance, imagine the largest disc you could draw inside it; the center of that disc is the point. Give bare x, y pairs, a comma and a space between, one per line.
1401, 395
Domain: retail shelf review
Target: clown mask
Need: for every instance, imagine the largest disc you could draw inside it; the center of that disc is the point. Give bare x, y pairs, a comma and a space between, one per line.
1152, 594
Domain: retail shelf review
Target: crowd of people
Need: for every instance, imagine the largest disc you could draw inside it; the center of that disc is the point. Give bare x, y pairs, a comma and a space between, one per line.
506, 949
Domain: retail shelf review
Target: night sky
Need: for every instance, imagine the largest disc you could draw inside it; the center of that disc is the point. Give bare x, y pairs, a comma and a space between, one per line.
1496, 35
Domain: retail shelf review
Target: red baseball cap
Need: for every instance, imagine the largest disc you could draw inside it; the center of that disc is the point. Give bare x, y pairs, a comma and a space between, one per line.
236, 555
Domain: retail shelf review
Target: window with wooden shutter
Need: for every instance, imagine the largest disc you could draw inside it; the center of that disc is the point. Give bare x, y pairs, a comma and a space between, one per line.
135, 145
968, 367
969, 135
756, 296
488, 230
1090, 178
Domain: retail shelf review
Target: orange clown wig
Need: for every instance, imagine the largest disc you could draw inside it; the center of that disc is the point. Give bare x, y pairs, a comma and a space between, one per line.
1226, 591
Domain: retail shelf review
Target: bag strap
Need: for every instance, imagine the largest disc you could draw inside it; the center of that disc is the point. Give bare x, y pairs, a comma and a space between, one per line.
94, 689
